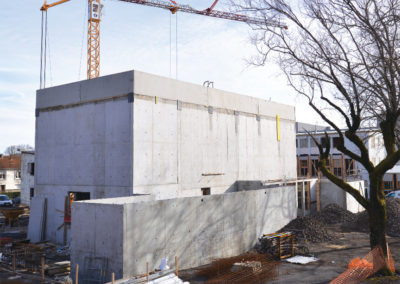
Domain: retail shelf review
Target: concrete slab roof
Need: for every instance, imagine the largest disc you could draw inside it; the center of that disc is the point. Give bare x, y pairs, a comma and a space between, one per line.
140, 83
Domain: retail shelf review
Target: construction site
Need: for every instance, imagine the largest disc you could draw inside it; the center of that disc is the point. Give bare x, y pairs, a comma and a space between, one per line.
142, 178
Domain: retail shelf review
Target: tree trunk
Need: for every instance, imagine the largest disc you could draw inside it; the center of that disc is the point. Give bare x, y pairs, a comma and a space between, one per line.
377, 220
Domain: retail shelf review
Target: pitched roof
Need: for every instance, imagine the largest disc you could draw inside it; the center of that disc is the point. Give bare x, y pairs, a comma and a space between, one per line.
10, 162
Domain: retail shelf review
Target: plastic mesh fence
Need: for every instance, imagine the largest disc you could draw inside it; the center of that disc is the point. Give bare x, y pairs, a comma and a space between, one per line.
361, 270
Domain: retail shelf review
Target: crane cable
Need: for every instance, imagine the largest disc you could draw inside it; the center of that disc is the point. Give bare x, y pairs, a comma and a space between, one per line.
41, 53
49, 53
84, 28
170, 45
176, 47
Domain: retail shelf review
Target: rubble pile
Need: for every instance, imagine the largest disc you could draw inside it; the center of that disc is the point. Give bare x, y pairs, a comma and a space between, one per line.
334, 214
361, 220
308, 228
393, 216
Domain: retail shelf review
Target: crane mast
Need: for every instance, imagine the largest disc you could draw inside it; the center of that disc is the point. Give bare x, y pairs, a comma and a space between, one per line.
93, 39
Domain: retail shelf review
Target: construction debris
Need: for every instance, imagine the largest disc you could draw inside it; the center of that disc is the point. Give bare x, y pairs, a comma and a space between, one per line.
247, 268
300, 259
308, 228
360, 221
58, 269
277, 245
334, 214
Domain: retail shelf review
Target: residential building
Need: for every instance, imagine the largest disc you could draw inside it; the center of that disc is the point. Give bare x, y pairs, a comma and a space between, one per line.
10, 173
27, 176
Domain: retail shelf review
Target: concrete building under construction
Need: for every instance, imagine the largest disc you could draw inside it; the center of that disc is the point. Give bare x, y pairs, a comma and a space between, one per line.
133, 134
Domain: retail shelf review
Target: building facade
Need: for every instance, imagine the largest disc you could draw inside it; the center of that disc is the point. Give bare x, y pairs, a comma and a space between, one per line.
339, 164
10, 173
27, 176
135, 133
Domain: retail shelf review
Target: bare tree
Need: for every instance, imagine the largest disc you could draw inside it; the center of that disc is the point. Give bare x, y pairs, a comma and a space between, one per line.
343, 54
17, 149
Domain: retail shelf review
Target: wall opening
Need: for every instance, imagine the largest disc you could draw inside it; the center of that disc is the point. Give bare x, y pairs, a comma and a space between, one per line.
206, 190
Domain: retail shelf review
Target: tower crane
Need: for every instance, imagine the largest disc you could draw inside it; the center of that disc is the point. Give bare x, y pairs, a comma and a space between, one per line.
93, 57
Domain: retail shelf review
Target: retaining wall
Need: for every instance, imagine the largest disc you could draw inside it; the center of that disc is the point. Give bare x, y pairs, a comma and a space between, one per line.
122, 234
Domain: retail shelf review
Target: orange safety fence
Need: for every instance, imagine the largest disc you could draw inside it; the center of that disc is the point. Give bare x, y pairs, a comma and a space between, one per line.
360, 269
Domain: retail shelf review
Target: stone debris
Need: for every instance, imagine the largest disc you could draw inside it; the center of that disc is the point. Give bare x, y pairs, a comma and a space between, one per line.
334, 214
308, 228
361, 222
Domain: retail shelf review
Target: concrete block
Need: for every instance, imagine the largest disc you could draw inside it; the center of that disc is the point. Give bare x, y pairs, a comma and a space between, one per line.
36, 219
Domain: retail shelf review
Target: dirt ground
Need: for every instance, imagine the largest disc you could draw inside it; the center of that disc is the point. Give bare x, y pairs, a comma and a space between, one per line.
334, 257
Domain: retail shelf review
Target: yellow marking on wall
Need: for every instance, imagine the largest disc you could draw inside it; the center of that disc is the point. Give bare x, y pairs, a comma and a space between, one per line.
278, 127
155, 99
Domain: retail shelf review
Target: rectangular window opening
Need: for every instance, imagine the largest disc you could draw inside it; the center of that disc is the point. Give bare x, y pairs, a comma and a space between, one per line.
206, 191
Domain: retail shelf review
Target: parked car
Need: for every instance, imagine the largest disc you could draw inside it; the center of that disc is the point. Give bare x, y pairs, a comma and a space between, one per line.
16, 201
393, 194
5, 200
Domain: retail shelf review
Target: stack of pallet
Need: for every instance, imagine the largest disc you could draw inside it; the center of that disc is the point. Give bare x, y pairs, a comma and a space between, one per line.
58, 269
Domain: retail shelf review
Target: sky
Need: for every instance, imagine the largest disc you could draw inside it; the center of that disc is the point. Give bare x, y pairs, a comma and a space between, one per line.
132, 37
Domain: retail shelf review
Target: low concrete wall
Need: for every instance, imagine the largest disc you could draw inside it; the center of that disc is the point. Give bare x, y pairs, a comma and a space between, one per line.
122, 234
331, 193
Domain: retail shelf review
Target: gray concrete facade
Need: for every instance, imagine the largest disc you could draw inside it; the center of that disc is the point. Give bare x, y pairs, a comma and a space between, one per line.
136, 133
124, 233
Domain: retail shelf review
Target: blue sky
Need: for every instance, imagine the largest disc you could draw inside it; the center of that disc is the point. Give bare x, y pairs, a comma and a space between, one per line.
132, 37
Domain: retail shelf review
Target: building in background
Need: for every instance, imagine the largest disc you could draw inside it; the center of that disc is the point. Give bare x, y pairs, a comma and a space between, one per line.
27, 176
341, 165
10, 174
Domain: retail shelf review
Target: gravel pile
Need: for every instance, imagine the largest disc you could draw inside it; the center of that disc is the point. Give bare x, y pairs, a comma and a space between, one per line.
393, 220
334, 214
310, 228
361, 220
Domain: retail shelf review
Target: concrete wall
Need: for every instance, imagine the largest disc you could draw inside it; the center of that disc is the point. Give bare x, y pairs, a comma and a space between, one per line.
136, 133
126, 234
27, 179
330, 193
211, 139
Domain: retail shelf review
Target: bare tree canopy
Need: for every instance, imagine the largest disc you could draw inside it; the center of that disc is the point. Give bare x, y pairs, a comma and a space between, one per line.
344, 55
17, 149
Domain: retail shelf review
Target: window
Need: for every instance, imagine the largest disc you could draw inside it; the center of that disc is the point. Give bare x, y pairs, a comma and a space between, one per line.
350, 167
312, 143
32, 192
337, 167
387, 185
17, 174
3, 175
206, 191
3, 187
324, 142
31, 168
314, 167
336, 142
303, 168
303, 143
